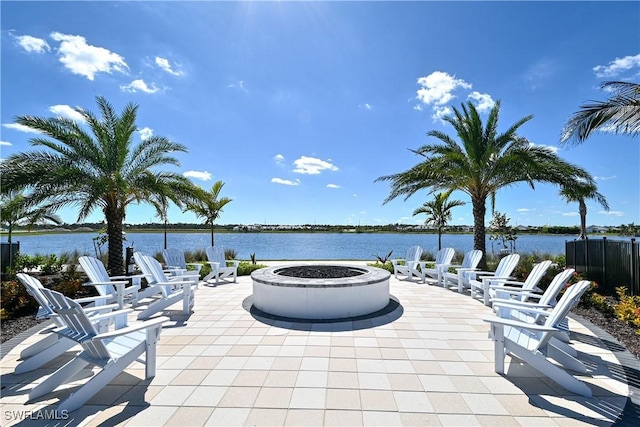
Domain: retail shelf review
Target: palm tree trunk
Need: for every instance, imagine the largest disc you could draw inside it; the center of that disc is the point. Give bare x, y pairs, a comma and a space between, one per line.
439, 238
114, 232
583, 220
165, 234
479, 242
212, 241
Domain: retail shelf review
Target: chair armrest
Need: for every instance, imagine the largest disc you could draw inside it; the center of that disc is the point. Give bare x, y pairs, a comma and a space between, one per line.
214, 264
523, 307
506, 288
113, 282
132, 328
99, 298
518, 324
111, 315
234, 262
100, 309
397, 260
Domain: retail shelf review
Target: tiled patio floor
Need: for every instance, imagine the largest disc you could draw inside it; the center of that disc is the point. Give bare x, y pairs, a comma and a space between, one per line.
428, 362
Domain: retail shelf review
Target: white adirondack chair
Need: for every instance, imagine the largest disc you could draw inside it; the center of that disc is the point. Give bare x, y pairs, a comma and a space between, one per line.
52, 345
114, 286
219, 267
175, 261
408, 266
168, 290
532, 343
479, 281
530, 283
442, 262
111, 351
469, 263
516, 308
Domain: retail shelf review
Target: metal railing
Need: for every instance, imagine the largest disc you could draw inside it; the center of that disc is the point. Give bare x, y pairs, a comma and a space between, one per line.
610, 263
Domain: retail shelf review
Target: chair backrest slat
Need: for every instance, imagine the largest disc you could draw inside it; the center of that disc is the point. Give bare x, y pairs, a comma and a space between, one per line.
414, 253
153, 270
559, 281
472, 259
79, 327
95, 270
216, 254
174, 258
444, 256
507, 265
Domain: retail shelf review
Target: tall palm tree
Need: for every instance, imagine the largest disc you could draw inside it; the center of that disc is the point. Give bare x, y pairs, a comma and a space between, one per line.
479, 164
92, 165
208, 205
581, 192
620, 113
438, 212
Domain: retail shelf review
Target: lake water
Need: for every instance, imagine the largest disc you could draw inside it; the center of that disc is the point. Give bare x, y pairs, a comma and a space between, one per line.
294, 246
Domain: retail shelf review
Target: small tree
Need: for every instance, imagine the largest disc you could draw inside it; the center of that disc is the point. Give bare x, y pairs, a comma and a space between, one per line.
208, 205
581, 191
502, 232
438, 212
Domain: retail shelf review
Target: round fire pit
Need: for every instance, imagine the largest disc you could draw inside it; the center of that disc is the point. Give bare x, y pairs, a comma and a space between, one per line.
320, 291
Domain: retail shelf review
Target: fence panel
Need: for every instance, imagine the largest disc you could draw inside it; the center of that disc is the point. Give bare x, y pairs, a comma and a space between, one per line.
610, 263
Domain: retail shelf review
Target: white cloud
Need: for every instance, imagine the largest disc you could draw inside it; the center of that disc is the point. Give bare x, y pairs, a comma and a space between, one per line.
202, 176
612, 213
312, 166
440, 112
366, 106
139, 85
523, 210
279, 159
239, 86
33, 44
604, 178
6, 143
67, 112
617, 66
87, 60
164, 64
570, 214
437, 88
548, 147
20, 128
146, 133
333, 186
285, 181
484, 102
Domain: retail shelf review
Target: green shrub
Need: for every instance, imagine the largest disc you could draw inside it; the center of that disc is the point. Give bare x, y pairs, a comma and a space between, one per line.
386, 266
15, 301
245, 268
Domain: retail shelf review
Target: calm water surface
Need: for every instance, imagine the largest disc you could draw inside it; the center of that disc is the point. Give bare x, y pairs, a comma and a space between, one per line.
295, 246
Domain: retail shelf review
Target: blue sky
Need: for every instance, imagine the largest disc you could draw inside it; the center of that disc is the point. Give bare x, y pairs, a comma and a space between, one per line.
299, 106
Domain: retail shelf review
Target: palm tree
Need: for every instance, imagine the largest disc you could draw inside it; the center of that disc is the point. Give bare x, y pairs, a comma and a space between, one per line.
178, 193
13, 212
581, 192
620, 113
208, 205
93, 165
479, 164
439, 212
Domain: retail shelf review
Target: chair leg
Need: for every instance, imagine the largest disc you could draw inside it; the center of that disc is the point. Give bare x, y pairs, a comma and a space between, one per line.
538, 361
40, 346
100, 380
47, 355
58, 377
